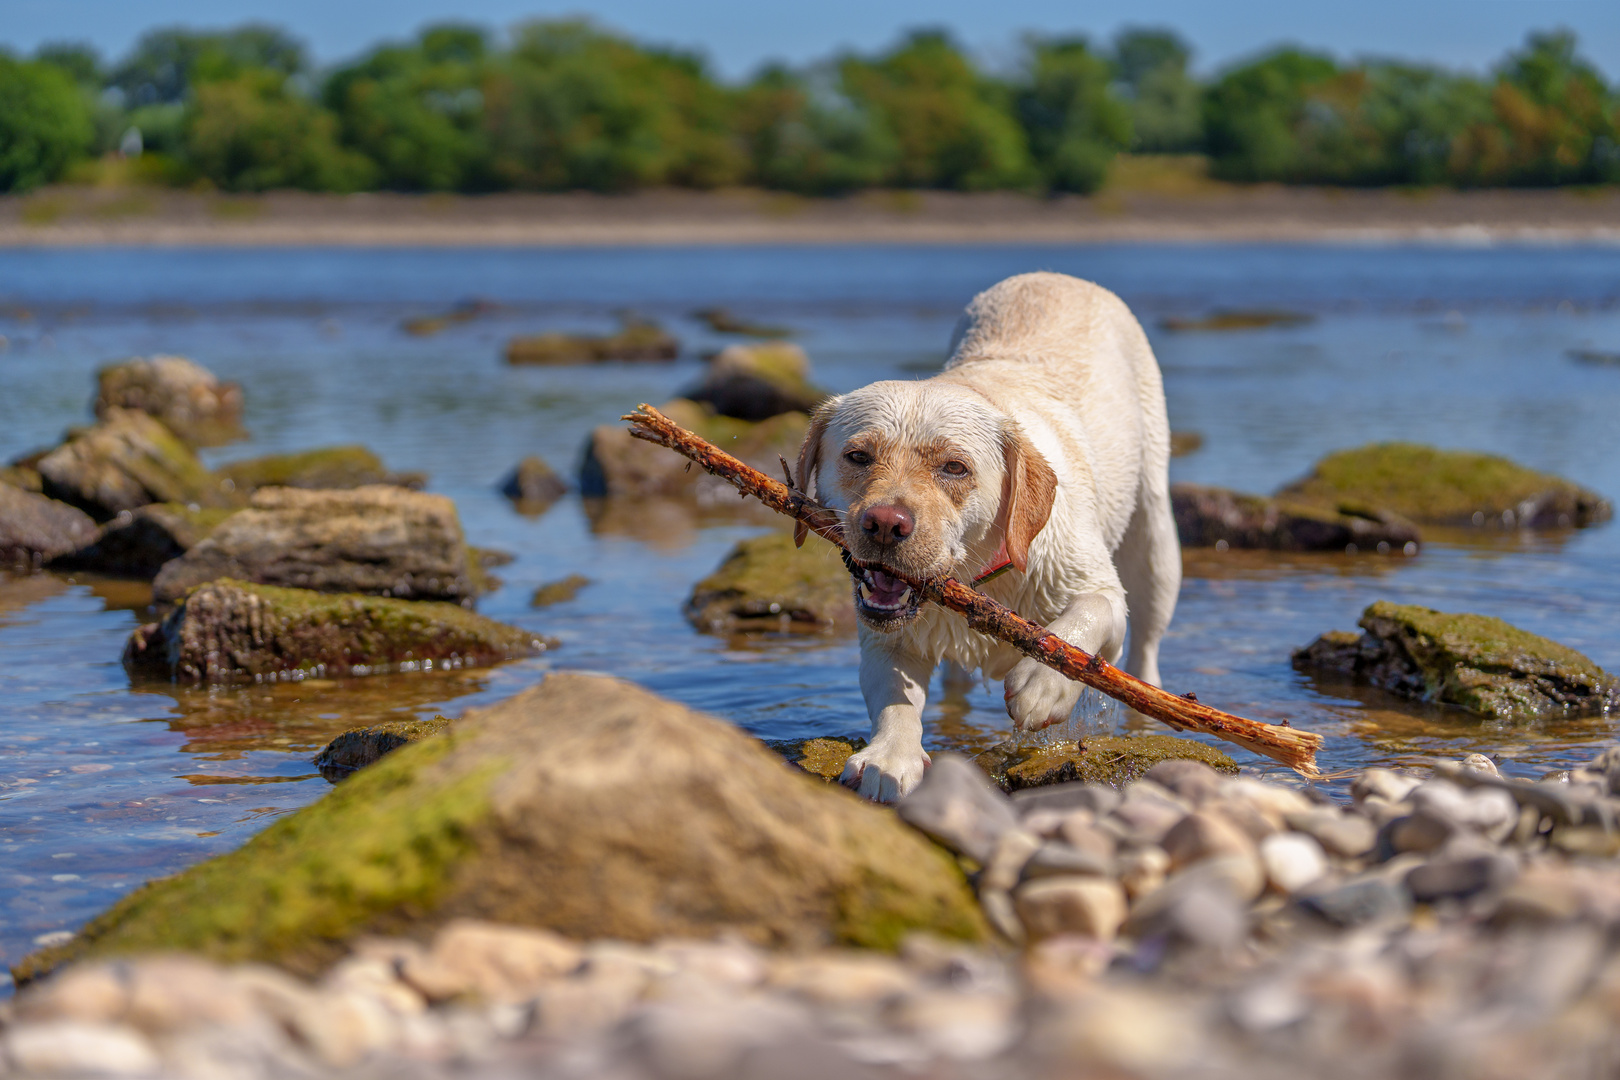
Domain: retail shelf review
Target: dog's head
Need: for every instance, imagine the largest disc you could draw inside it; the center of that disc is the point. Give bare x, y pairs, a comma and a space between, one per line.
931, 480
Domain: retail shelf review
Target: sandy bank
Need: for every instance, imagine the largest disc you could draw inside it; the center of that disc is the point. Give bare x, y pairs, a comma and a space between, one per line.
65, 217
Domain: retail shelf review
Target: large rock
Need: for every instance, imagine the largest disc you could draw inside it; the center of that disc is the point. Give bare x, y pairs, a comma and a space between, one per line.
585, 805
126, 461
636, 340
1216, 517
767, 584
186, 396
1447, 487
618, 465
1477, 662
138, 543
381, 540
757, 382
230, 630
326, 468
34, 530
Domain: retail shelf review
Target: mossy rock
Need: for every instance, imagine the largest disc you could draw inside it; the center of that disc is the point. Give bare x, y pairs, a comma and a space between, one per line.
533, 486
1228, 319
823, 757
757, 382
615, 464
34, 530
1477, 662
584, 805
636, 339
139, 543
766, 584
1447, 487
184, 395
229, 630
127, 461
1216, 517
722, 321
1115, 760
358, 747
558, 592
23, 477
330, 467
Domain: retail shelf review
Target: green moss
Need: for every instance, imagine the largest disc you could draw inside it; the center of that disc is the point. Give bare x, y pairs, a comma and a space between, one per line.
635, 340
327, 467
1115, 760
897, 893
1489, 666
380, 843
558, 592
359, 747
819, 757
21, 476
765, 583
1445, 487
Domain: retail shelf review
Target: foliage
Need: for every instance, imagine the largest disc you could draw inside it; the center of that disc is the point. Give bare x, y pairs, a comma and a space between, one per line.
1163, 97
801, 132
45, 123
166, 63
1075, 123
250, 133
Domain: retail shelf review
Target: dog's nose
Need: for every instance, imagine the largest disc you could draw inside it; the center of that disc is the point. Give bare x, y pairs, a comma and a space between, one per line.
887, 524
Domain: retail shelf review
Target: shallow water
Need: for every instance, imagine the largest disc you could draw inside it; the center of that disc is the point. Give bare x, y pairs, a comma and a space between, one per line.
104, 785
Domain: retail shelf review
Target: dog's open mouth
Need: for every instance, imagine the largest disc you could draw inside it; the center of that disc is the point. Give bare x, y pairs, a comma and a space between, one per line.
884, 600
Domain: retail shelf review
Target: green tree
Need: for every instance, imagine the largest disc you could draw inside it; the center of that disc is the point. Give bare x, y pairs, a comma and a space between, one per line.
953, 127
45, 123
417, 111
1253, 115
79, 61
251, 133
802, 134
573, 107
165, 63
1165, 100
1075, 124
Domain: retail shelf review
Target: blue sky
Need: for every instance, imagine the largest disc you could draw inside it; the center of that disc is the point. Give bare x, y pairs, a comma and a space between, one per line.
737, 35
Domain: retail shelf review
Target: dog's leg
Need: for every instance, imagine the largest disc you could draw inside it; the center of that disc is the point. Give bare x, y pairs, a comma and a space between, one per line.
895, 685
1149, 561
1036, 695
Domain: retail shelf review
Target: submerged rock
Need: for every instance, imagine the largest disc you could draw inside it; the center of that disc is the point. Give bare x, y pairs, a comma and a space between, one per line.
1213, 517
617, 465
757, 382
533, 485
821, 757
229, 630
355, 749
125, 462
558, 592
584, 805
186, 396
34, 530
381, 540
722, 321
1447, 487
138, 543
1115, 760
765, 583
1183, 443
1239, 319
1479, 663
327, 468
636, 340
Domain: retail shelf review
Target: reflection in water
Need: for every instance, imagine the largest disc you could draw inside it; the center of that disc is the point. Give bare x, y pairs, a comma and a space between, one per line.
669, 524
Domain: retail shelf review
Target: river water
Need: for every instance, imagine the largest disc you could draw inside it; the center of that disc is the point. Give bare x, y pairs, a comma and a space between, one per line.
104, 785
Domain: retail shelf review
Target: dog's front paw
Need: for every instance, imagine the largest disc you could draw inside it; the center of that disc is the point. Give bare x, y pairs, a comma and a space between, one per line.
885, 773
1037, 696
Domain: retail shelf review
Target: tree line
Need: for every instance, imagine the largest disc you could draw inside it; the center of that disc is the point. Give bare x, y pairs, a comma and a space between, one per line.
566, 105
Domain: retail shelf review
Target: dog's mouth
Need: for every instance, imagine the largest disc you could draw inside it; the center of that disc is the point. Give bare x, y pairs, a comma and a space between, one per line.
882, 600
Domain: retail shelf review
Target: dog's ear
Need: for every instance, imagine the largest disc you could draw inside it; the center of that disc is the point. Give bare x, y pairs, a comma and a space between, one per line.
810, 461
1027, 490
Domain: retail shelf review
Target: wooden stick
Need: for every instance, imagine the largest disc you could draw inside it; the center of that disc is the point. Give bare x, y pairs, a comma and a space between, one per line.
1296, 749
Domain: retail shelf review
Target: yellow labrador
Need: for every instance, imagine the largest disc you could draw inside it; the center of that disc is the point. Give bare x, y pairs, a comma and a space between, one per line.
1043, 446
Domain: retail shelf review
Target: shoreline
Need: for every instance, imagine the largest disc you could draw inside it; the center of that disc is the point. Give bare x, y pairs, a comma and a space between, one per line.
138, 217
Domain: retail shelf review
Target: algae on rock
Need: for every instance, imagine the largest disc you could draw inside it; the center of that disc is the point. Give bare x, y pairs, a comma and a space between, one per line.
230, 630
1447, 487
138, 544
636, 339
617, 464
1479, 663
326, 468
1115, 760
186, 396
757, 382
584, 805
1212, 517
126, 461
765, 583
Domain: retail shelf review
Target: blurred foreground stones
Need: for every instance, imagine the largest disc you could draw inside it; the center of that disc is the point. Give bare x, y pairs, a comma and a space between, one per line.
1187, 924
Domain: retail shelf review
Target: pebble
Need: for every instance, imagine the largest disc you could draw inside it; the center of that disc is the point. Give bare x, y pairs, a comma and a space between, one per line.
1091, 907
957, 805
1359, 903
73, 1048
1292, 861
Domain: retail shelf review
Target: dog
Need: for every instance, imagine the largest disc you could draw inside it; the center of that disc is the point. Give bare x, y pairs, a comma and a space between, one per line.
1042, 450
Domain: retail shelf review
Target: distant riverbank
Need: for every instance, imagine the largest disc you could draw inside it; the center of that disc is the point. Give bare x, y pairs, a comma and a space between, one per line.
70, 217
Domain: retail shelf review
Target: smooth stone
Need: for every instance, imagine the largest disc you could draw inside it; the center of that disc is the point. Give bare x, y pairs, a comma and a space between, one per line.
1094, 907
1347, 836
1361, 902
1141, 870
1213, 517
1447, 877
491, 962
1079, 830
1204, 834
73, 1048
1425, 829
533, 485
1292, 861
1383, 783
1191, 780
1100, 799
1202, 907
138, 543
1144, 818
958, 806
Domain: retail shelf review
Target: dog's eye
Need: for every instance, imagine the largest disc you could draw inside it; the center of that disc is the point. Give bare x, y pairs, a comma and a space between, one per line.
955, 468
858, 457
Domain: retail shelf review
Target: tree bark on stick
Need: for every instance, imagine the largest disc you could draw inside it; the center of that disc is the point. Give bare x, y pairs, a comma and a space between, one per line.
1296, 749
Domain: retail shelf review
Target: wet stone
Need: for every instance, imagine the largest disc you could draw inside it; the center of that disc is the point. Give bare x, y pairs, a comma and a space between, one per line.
35, 530
359, 747
533, 485
1222, 519
558, 592
1117, 760
767, 584
957, 806
331, 468
636, 339
185, 396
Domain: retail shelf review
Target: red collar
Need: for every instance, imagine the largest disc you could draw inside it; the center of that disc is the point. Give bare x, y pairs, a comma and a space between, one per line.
999, 564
